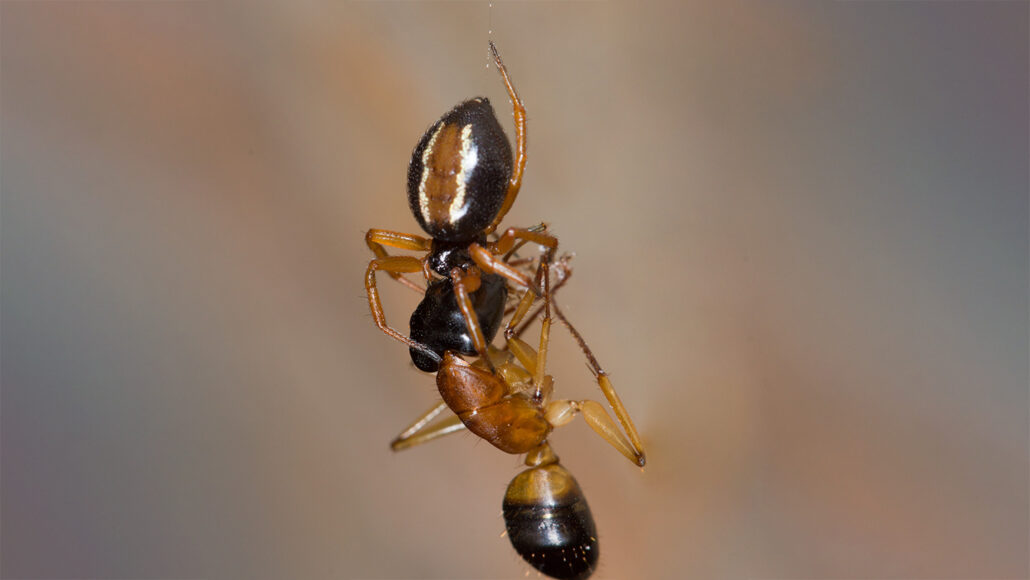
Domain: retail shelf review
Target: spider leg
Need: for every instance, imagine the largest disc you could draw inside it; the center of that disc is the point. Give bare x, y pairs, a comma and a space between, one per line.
378, 239
400, 265
519, 115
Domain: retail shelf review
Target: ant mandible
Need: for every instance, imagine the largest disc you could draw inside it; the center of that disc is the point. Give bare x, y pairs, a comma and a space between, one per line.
546, 514
461, 183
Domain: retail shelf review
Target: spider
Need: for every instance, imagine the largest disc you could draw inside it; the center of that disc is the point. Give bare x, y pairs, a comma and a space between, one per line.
461, 183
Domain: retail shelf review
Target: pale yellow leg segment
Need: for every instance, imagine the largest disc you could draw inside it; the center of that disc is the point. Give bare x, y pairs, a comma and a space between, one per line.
599, 420
561, 412
523, 352
520, 312
541, 354
421, 432
622, 415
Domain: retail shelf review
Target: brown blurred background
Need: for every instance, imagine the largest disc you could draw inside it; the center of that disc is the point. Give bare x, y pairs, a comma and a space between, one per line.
801, 238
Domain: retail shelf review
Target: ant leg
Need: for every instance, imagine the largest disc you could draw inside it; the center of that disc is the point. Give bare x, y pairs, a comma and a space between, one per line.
519, 115
536, 361
377, 239
400, 265
559, 413
545, 326
564, 272
421, 432
520, 312
605, 384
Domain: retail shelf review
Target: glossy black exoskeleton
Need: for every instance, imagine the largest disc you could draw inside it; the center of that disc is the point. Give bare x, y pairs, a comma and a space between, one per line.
459, 173
549, 522
439, 324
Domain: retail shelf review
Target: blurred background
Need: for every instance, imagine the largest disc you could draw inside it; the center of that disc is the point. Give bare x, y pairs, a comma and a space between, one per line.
801, 252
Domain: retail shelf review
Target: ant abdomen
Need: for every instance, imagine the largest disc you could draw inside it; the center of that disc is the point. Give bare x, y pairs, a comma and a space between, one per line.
549, 522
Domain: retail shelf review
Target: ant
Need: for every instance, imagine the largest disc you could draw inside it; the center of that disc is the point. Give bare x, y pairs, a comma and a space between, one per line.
546, 515
462, 181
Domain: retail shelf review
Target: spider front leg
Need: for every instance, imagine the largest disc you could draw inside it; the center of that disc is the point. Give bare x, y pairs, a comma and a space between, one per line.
519, 117
377, 240
487, 259
398, 265
465, 283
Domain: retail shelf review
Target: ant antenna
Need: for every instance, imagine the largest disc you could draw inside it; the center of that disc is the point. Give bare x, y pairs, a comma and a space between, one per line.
595, 367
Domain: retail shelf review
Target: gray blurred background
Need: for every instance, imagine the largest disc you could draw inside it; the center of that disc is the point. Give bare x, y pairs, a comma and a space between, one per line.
801, 238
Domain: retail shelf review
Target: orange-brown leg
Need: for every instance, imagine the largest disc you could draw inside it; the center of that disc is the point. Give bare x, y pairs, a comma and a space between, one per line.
507, 240
541, 227
377, 239
488, 260
400, 265
465, 283
519, 114
490, 263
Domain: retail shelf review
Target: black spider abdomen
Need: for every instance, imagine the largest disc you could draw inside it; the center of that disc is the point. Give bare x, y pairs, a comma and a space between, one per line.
459, 172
